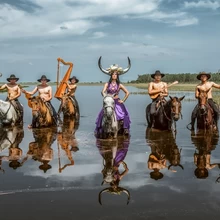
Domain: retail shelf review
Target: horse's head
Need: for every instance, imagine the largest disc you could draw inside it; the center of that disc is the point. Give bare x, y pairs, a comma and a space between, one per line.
203, 97
35, 103
176, 107
64, 101
108, 105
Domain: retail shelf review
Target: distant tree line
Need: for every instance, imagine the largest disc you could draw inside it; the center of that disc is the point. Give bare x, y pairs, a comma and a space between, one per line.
180, 77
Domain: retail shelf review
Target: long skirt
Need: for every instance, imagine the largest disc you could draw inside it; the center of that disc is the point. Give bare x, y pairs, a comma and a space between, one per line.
121, 114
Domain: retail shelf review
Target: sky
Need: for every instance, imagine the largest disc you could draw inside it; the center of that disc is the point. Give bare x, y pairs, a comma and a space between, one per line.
174, 36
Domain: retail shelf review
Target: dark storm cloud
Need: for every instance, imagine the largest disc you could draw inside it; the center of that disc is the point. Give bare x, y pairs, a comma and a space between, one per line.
24, 5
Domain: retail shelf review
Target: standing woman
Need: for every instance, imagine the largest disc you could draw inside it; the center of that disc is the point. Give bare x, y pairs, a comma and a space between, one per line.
113, 87
45, 92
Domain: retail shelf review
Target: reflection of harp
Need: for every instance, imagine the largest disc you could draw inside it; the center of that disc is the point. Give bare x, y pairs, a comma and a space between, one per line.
62, 86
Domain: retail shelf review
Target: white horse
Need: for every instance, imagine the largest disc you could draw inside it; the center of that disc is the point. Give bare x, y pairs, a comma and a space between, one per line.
110, 123
8, 114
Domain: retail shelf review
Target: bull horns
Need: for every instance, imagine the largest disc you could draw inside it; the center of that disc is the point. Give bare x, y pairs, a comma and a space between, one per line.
117, 191
108, 72
181, 166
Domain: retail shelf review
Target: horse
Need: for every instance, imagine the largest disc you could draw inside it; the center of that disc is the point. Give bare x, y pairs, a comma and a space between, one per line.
42, 115
8, 114
166, 114
205, 120
109, 122
68, 107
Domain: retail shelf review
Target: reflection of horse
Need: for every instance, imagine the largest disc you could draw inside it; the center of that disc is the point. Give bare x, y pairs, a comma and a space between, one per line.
68, 107
113, 153
67, 141
163, 148
42, 115
205, 144
166, 113
11, 138
8, 113
205, 113
40, 149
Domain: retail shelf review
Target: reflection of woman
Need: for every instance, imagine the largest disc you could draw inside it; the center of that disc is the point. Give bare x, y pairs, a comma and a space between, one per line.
113, 87
45, 92
113, 158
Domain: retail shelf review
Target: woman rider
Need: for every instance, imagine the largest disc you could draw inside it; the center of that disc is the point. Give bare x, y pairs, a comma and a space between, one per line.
113, 87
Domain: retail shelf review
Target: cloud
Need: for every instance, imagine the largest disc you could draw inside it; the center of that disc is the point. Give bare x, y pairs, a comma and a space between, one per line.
60, 17
99, 34
203, 4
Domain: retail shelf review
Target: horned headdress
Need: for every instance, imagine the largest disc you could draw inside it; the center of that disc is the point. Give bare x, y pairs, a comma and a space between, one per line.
114, 67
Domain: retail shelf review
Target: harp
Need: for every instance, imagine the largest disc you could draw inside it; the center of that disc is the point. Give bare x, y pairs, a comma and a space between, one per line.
61, 87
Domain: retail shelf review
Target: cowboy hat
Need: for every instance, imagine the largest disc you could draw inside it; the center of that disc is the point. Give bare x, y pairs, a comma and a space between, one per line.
157, 72
43, 77
12, 76
74, 77
45, 166
203, 73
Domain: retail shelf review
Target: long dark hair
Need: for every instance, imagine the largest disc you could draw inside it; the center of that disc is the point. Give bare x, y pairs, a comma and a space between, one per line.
117, 80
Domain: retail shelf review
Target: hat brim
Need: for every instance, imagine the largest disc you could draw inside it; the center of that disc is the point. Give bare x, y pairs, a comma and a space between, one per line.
75, 80
206, 74
8, 79
153, 75
39, 80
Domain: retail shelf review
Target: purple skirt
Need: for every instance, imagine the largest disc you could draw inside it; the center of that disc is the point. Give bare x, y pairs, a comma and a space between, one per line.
121, 114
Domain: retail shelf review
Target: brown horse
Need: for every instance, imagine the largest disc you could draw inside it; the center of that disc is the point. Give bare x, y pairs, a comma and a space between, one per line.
205, 113
166, 114
42, 116
68, 107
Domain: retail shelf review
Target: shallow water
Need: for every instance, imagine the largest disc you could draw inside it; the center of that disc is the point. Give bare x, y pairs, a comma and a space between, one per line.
71, 191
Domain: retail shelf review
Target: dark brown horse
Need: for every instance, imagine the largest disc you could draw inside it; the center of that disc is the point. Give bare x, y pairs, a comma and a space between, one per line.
68, 107
205, 120
42, 115
166, 114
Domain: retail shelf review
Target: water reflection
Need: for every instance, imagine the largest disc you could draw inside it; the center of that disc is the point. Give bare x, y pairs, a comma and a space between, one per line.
10, 138
67, 141
163, 149
113, 153
204, 144
40, 149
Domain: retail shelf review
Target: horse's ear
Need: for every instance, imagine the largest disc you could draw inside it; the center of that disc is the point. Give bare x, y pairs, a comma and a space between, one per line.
182, 98
171, 97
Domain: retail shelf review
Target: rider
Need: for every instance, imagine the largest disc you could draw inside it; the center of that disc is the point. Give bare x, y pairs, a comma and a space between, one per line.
14, 92
157, 90
113, 87
205, 85
71, 91
45, 92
